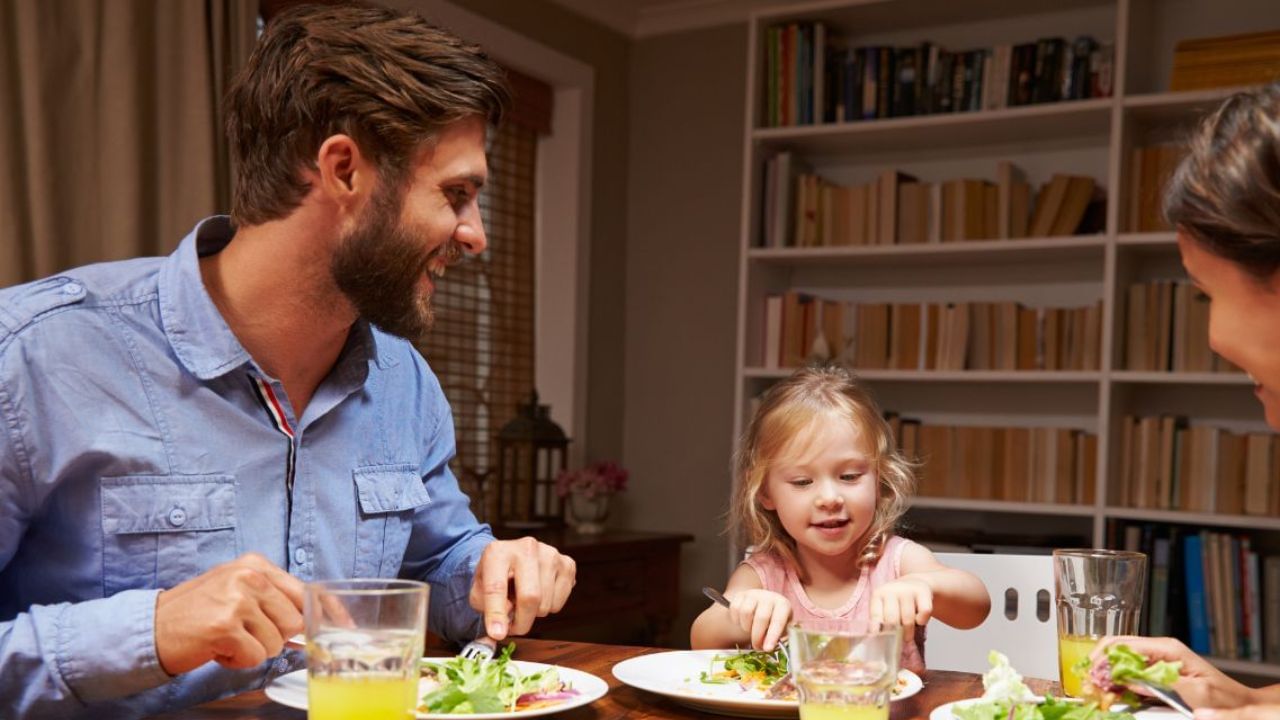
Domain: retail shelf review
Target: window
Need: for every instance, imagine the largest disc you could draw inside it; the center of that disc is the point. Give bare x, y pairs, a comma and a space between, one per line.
482, 346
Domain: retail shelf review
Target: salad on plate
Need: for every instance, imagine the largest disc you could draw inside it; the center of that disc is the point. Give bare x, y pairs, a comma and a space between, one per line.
756, 672
461, 685
1006, 697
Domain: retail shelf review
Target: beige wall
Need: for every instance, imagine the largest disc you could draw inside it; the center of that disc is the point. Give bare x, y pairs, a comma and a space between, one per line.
606, 51
666, 182
687, 95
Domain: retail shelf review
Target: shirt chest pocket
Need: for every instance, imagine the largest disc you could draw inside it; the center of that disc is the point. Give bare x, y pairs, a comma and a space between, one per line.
389, 497
163, 529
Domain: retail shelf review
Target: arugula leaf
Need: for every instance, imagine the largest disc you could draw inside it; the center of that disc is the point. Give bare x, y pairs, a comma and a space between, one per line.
483, 686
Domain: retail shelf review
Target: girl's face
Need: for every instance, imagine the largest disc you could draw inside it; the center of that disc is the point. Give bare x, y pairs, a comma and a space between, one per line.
1244, 319
824, 487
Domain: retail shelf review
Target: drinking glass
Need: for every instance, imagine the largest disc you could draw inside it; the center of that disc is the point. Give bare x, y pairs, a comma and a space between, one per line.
1099, 593
364, 638
842, 675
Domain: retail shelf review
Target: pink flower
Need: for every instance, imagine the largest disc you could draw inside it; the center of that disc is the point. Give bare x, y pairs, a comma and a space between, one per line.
599, 478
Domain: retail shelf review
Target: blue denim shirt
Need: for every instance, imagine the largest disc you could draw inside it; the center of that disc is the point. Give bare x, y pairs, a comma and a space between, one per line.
135, 453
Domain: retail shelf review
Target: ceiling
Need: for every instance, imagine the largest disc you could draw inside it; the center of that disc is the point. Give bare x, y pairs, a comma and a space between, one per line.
644, 18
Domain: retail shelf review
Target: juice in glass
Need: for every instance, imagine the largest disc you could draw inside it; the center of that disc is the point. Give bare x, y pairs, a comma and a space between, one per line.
364, 639
843, 712
841, 675
361, 697
1071, 650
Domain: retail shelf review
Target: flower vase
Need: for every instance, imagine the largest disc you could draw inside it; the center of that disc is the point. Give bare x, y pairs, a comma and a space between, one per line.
586, 513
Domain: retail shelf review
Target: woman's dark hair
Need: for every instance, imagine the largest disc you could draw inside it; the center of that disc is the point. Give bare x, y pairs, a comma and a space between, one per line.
1226, 193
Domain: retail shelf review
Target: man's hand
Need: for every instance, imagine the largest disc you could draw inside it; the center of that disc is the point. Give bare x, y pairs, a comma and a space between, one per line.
762, 614
907, 601
1248, 712
238, 614
541, 576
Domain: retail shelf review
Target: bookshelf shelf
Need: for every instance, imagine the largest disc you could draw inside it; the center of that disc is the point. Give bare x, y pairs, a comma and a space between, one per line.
1166, 106
1117, 142
1148, 239
1181, 378
1050, 121
1022, 508
1076, 247
1260, 522
950, 376
1246, 667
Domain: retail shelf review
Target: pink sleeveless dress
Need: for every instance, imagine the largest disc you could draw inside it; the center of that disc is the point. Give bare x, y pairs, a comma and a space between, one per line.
779, 576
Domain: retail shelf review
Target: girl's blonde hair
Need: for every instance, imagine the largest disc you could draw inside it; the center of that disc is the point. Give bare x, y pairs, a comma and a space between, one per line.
787, 410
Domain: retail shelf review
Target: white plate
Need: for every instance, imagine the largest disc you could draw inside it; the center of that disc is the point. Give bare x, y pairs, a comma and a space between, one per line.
943, 712
291, 690
676, 675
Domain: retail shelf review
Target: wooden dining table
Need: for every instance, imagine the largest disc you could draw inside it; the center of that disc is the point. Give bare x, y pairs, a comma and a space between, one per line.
622, 701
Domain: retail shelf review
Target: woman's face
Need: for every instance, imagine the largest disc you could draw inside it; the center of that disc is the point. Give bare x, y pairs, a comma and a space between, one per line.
1244, 319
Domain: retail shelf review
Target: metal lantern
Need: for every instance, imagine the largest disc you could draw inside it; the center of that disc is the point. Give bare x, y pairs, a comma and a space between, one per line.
532, 450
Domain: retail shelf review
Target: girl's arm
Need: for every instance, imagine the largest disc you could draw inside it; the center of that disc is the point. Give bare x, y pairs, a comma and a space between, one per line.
959, 598
755, 618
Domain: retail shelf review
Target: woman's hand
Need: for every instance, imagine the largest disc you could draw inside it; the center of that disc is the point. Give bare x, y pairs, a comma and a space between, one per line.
761, 614
907, 601
1202, 685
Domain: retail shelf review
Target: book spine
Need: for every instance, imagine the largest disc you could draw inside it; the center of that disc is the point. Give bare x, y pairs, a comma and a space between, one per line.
1197, 613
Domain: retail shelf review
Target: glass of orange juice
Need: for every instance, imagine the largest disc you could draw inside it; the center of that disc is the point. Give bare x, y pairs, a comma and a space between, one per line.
1099, 593
842, 675
364, 639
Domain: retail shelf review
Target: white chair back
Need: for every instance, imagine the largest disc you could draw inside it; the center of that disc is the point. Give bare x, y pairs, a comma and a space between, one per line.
1022, 623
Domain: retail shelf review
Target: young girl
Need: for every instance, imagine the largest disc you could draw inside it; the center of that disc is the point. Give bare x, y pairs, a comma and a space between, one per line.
819, 490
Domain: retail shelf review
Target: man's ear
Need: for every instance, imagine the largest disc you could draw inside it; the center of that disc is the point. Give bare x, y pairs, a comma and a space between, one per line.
345, 175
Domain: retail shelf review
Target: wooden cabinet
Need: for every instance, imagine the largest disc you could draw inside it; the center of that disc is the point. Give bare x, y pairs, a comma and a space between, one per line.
628, 586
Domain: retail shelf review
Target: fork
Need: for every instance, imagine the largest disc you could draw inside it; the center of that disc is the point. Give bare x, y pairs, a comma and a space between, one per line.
780, 687
479, 649
1167, 695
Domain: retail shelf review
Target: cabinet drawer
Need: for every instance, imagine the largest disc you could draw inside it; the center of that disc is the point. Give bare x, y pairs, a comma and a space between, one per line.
608, 586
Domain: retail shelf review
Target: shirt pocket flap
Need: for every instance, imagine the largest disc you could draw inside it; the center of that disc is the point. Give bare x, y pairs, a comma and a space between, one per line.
167, 503
387, 489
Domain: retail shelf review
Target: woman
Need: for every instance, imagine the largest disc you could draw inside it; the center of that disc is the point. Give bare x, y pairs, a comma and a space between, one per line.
1224, 201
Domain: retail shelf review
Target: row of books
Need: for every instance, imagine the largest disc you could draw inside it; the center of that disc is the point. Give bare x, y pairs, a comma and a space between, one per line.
800, 328
1019, 464
1167, 328
812, 75
1150, 169
1167, 464
1213, 590
803, 209
1226, 61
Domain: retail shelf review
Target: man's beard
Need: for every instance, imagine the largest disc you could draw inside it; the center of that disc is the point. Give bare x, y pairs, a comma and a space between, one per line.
379, 265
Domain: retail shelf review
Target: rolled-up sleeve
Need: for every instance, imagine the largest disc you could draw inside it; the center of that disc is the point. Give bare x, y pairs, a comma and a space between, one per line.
65, 656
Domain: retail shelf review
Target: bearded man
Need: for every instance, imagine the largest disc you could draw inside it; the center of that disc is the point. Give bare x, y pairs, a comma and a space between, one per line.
185, 441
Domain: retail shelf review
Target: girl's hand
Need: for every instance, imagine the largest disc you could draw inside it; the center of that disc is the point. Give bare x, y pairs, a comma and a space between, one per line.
1199, 683
907, 601
761, 614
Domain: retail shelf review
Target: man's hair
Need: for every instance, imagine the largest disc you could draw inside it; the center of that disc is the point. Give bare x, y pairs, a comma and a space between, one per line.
1226, 193
387, 78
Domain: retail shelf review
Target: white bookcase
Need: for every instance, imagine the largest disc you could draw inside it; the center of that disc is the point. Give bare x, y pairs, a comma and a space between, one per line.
1092, 137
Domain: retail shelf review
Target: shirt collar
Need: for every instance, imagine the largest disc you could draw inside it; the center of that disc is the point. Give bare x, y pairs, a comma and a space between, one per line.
198, 334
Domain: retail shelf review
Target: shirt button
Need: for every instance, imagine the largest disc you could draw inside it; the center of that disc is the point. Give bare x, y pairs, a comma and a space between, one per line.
177, 517
300, 556
73, 289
